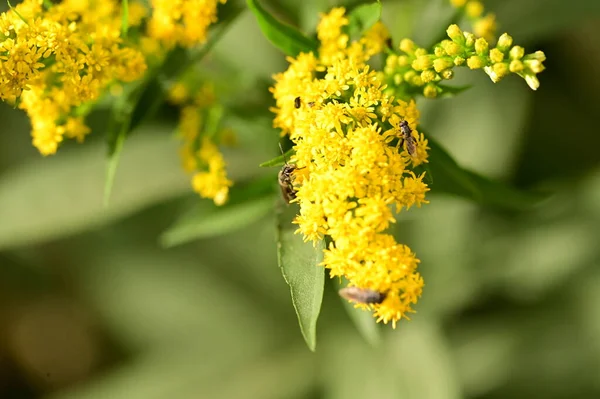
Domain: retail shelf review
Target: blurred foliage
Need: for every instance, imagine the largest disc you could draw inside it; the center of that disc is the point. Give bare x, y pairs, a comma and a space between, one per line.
92, 306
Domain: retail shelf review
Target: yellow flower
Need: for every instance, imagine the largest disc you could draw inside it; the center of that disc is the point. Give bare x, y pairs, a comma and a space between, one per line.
199, 152
485, 27
56, 66
182, 22
474, 9
351, 169
137, 13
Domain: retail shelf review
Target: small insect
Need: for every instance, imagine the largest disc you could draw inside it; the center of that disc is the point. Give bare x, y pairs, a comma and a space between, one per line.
407, 137
297, 102
286, 180
362, 295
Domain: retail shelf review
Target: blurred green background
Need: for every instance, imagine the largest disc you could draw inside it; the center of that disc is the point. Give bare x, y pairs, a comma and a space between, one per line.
91, 306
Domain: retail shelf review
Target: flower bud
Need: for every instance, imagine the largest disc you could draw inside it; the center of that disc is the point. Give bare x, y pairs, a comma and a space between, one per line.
475, 62
481, 46
516, 53
496, 55
505, 41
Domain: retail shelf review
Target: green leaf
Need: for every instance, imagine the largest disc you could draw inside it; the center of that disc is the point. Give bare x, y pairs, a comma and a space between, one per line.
362, 18
283, 36
111, 166
363, 320
246, 205
57, 196
452, 178
300, 265
278, 161
419, 355
118, 129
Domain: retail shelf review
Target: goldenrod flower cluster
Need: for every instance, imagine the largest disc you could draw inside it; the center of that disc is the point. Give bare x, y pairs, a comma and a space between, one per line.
484, 24
56, 59
352, 166
182, 22
416, 71
199, 152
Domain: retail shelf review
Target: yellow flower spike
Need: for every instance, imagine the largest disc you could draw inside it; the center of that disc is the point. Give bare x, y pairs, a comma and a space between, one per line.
496, 55
212, 183
354, 169
54, 67
474, 9
331, 24
199, 154
182, 23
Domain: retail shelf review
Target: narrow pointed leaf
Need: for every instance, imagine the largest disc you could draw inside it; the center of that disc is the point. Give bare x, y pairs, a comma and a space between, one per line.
246, 205
362, 18
283, 36
278, 161
363, 320
300, 265
452, 178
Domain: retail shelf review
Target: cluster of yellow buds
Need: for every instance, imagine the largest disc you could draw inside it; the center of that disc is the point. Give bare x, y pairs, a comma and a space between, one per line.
416, 70
199, 130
